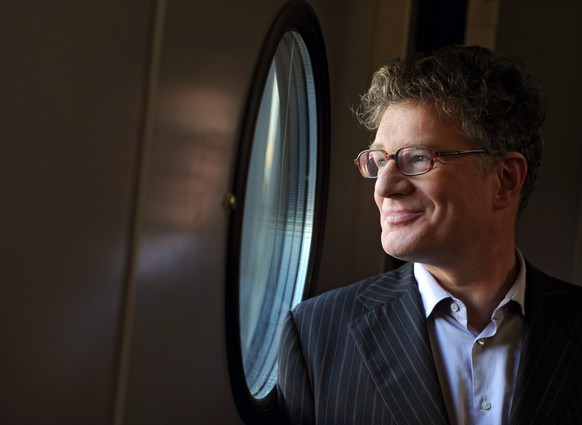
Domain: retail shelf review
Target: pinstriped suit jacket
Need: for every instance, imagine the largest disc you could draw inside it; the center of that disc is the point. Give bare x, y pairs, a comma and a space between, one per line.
361, 355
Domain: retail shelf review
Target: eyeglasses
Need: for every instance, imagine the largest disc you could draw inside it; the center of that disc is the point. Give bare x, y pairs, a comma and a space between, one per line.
410, 160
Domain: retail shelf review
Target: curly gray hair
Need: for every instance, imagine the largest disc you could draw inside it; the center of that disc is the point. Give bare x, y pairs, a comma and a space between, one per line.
491, 96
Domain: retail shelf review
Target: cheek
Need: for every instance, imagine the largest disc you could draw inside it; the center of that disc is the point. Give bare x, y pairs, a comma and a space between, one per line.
378, 200
458, 210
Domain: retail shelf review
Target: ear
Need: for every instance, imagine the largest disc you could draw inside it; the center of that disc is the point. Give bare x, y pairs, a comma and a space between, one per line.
511, 172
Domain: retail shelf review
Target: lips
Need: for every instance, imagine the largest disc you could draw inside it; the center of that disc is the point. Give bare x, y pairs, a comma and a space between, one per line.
401, 216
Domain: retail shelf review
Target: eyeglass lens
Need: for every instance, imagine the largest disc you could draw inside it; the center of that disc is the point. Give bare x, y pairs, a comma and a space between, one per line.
370, 162
409, 160
414, 160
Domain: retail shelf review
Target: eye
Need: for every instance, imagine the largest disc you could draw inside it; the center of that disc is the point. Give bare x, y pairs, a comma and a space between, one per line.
419, 158
377, 159
414, 160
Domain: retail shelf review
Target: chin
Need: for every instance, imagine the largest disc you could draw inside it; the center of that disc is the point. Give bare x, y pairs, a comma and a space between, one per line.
402, 249
400, 254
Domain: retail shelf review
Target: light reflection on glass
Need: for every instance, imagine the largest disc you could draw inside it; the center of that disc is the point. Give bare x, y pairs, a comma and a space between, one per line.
279, 208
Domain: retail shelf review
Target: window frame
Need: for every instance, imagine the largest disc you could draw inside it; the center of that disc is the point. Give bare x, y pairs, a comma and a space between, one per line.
296, 16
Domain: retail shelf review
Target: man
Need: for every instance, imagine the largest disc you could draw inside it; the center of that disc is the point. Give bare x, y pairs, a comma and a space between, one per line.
466, 332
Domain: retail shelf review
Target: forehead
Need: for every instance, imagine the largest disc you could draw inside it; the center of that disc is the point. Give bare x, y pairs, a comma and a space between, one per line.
408, 123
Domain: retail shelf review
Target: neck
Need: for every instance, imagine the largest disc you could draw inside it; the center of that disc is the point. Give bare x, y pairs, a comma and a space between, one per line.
480, 284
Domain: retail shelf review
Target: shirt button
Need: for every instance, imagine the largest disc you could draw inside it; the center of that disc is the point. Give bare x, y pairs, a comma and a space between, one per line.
455, 307
481, 341
485, 404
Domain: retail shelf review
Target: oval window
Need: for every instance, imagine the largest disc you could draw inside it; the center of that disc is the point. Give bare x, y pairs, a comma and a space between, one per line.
279, 210
280, 185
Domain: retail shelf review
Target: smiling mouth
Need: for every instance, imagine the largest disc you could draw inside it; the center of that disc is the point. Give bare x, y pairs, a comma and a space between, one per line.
401, 217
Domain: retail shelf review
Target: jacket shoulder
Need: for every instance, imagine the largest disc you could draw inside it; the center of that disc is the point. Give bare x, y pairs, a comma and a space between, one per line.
552, 292
538, 278
365, 294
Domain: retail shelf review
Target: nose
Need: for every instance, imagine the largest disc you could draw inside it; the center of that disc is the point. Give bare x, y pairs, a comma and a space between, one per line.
391, 182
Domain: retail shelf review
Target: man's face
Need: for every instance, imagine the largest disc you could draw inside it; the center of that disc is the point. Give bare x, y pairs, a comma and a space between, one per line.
440, 216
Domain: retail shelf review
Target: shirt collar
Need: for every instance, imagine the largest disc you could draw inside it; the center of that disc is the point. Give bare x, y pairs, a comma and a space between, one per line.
432, 292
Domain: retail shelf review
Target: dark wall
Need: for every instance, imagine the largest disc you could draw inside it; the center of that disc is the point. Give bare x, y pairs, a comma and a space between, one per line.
72, 80
548, 37
438, 23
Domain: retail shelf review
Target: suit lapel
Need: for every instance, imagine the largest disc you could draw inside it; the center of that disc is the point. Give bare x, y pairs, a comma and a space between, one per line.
393, 340
552, 346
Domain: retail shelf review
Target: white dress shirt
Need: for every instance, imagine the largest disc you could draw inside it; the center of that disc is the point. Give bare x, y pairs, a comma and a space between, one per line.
477, 371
